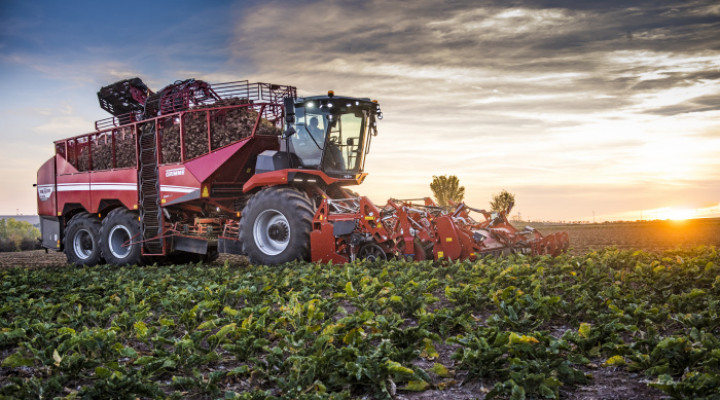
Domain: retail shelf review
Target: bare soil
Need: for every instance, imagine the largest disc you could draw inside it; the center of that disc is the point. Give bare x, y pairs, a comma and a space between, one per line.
608, 383
40, 259
32, 259
614, 384
638, 235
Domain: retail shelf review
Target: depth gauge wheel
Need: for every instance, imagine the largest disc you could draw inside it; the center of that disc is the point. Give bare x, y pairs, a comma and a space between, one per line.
82, 240
275, 226
371, 252
120, 229
421, 253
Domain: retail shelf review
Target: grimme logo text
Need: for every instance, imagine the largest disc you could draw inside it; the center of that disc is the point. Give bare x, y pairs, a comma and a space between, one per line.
175, 172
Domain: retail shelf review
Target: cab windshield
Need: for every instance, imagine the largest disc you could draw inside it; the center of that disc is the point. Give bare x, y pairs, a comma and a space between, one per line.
334, 142
308, 141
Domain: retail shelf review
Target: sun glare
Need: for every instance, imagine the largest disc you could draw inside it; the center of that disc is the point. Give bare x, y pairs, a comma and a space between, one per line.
677, 214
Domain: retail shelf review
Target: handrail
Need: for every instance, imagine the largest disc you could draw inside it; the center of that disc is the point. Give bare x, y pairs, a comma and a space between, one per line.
253, 92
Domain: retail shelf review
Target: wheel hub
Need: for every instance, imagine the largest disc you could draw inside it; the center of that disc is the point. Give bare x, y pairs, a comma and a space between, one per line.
278, 231
118, 236
83, 244
271, 232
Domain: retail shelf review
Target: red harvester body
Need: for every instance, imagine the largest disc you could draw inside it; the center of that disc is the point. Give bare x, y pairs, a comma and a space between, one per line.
197, 169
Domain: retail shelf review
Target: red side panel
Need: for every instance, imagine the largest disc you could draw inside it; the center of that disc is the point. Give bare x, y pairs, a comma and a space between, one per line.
64, 167
46, 189
272, 178
119, 184
448, 245
74, 189
280, 177
322, 245
175, 182
239, 168
467, 244
89, 189
204, 166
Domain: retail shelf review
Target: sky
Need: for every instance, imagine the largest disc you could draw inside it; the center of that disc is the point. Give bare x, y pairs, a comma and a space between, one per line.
601, 110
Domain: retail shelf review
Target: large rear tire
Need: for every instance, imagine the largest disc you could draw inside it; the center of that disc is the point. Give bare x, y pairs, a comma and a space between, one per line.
82, 240
275, 226
119, 227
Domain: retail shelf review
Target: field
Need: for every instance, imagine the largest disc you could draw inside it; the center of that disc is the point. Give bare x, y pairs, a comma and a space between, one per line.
606, 324
641, 235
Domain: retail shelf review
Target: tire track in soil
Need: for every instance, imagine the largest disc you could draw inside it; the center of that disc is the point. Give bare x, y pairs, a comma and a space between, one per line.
39, 259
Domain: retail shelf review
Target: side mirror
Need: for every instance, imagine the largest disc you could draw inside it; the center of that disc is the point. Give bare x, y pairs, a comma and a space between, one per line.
350, 141
289, 103
289, 131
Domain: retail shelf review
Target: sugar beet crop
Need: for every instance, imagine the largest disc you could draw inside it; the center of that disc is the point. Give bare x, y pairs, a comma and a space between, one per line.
609, 323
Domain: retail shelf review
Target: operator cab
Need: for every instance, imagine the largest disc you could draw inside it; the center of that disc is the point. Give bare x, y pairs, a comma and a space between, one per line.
330, 133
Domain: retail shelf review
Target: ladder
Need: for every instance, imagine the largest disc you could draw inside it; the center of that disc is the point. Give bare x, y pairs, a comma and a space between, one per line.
151, 216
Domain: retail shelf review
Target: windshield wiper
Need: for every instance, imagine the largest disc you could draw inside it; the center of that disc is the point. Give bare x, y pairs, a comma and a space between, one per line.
312, 137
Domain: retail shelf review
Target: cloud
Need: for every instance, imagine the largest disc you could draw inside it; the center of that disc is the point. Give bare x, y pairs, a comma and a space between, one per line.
697, 104
486, 54
531, 91
64, 126
95, 72
515, 93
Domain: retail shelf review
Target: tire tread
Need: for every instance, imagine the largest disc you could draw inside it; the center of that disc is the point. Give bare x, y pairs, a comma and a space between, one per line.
93, 223
302, 215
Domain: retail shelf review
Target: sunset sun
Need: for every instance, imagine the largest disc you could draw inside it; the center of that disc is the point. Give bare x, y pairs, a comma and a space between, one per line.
675, 214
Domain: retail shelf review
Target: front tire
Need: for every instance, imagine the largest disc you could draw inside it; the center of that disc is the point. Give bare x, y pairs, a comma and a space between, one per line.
275, 226
82, 240
121, 226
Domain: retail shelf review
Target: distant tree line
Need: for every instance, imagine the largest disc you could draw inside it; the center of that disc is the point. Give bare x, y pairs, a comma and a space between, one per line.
18, 235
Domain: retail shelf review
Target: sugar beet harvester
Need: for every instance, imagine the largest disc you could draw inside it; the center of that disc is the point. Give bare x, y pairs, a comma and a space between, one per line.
246, 168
